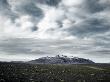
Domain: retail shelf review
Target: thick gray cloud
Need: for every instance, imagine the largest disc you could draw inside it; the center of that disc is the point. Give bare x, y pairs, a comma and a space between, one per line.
93, 6
5, 9
49, 27
49, 2
90, 27
27, 8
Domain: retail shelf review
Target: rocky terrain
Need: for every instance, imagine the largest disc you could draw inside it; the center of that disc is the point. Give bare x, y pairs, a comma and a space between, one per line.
61, 60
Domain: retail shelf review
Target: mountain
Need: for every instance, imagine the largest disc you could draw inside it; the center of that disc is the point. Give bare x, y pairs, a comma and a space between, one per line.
61, 60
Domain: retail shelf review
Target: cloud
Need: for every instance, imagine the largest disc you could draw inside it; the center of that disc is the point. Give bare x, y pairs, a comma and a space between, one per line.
22, 46
90, 27
38, 48
5, 10
78, 27
49, 2
65, 20
93, 6
24, 7
12, 46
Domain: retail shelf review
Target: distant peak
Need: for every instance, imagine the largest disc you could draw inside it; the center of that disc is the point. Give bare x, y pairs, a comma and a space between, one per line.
61, 59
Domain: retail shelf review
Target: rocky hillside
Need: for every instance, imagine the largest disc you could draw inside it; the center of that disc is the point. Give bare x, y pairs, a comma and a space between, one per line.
61, 60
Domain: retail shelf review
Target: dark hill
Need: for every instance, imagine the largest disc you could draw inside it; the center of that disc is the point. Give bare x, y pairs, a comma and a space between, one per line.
61, 60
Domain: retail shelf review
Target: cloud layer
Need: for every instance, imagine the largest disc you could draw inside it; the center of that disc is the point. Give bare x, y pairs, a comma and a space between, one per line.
47, 27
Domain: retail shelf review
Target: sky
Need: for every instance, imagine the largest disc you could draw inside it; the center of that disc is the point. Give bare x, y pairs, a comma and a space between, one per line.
30, 29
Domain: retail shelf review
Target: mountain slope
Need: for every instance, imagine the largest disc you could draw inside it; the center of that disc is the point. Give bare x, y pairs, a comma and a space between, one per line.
61, 60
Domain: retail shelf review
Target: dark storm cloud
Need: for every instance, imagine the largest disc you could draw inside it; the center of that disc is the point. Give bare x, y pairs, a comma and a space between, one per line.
5, 9
49, 2
3, 3
90, 27
29, 9
93, 6
92, 23
34, 28
4, 6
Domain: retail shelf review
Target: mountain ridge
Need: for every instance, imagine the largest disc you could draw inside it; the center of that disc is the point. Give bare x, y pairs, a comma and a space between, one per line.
61, 60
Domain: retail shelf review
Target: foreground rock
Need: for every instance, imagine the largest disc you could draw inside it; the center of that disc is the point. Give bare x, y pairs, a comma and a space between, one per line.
61, 60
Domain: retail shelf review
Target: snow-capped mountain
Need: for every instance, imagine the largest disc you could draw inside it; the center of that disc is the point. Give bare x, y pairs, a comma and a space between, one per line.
61, 60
